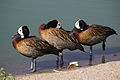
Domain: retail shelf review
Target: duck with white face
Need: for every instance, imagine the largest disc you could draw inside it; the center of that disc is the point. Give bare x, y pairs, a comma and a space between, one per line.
53, 33
91, 34
31, 46
53, 24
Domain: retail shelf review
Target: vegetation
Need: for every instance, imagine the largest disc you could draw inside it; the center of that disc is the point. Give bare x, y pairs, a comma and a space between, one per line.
3, 75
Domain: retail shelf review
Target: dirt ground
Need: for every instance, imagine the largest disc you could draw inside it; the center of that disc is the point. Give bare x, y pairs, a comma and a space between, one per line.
107, 71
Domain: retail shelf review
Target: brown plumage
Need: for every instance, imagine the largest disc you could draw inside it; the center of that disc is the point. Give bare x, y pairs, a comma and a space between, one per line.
91, 34
58, 38
31, 46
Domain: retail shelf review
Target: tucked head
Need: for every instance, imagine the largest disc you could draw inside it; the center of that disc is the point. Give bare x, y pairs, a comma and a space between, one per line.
81, 25
53, 24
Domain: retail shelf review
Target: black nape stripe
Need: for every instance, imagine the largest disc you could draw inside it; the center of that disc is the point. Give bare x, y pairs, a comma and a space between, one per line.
83, 25
25, 31
52, 24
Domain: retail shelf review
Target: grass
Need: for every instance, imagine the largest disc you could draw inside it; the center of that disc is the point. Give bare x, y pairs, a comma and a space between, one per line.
3, 75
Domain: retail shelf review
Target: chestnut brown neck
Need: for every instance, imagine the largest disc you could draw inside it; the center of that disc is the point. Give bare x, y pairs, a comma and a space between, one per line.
42, 26
76, 32
15, 41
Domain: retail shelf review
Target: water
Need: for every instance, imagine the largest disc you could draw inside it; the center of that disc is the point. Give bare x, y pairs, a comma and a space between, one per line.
15, 13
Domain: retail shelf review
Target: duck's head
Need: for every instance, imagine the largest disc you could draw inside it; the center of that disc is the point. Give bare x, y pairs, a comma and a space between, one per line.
81, 25
22, 32
53, 24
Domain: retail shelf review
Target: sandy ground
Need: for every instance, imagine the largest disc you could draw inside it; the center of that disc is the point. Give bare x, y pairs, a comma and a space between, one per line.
107, 71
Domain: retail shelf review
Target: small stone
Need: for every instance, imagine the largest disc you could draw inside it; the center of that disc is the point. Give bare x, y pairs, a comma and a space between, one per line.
55, 70
73, 64
113, 55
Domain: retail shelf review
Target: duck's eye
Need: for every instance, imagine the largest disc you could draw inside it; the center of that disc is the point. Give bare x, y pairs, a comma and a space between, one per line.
59, 24
81, 29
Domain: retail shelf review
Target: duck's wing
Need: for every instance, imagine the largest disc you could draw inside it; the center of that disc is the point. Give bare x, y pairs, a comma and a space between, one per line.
40, 45
100, 30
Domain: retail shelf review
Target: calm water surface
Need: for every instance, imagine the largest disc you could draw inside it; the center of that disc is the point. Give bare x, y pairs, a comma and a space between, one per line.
15, 13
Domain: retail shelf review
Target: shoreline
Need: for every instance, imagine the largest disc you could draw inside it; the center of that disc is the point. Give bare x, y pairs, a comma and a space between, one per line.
106, 71
49, 61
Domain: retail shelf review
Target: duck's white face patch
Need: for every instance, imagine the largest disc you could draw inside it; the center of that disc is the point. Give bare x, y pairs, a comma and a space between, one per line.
77, 25
20, 31
59, 25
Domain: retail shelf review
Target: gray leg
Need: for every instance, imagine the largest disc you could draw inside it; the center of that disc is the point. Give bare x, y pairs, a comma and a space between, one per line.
90, 56
33, 65
103, 46
90, 50
57, 62
62, 62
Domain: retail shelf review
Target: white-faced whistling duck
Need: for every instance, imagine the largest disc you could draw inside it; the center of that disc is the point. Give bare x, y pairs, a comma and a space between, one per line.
58, 38
91, 34
31, 46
